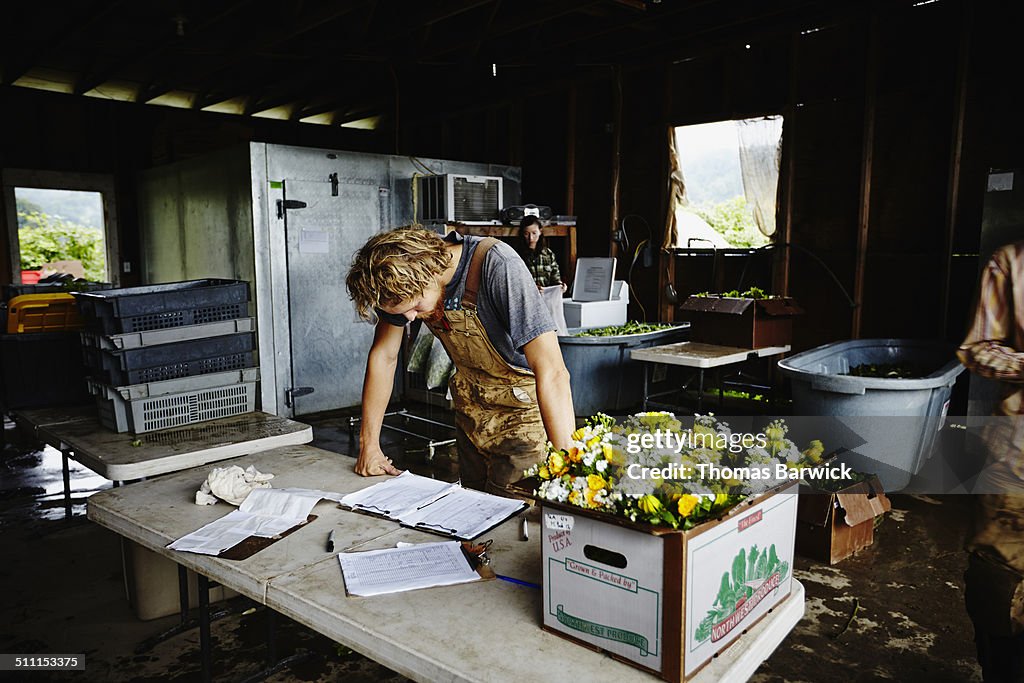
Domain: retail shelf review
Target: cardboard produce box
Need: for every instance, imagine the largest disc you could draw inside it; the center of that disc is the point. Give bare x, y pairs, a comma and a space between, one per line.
662, 600
741, 322
832, 526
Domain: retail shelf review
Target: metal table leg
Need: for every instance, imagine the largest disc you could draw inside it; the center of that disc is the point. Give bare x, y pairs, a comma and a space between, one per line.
205, 647
646, 389
700, 388
67, 482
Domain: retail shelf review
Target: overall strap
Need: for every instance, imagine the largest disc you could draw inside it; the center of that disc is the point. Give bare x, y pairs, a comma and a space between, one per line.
475, 268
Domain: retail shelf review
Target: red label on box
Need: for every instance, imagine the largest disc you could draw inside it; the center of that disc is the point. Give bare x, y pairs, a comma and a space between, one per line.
749, 520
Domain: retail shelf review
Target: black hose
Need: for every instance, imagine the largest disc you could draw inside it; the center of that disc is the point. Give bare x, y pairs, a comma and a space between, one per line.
807, 251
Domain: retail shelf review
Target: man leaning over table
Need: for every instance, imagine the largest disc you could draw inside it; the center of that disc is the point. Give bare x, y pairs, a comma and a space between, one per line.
510, 391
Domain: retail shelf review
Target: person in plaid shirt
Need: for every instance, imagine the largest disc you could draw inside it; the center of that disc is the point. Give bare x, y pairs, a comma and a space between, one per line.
538, 257
994, 348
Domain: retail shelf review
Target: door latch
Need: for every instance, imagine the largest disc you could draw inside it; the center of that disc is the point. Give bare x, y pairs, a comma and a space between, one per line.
333, 178
294, 392
284, 204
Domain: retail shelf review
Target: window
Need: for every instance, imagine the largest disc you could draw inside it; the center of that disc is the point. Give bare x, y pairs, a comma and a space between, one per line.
60, 223
726, 176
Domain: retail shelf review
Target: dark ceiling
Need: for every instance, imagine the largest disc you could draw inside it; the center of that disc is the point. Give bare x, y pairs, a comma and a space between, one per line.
352, 59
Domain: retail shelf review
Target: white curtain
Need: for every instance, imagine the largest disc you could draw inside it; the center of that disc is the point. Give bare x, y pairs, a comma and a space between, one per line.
760, 143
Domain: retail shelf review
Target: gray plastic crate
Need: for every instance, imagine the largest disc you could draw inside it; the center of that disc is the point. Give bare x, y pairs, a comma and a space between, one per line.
171, 361
135, 340
148, 407
173, 304
897, 418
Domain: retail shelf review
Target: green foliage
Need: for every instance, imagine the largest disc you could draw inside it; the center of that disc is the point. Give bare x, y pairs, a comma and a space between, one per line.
44, 239
631, 327
734, 220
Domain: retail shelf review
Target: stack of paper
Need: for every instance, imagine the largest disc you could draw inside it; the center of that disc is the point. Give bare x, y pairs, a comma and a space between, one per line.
392, 570
264, 512
435, 506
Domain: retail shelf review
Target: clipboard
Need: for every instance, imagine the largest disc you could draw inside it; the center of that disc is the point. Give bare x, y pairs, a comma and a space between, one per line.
253, 544
368, 568
453, 534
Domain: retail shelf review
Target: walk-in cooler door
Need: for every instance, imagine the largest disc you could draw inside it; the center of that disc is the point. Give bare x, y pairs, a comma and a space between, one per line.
325, 223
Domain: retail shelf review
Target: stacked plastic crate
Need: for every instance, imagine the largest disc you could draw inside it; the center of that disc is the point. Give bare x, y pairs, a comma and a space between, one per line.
171, 354
39, 362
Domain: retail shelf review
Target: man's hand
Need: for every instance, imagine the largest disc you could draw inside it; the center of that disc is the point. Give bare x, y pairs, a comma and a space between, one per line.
373, 462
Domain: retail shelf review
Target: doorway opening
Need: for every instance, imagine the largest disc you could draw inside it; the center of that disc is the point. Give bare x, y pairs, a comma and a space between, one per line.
60, 226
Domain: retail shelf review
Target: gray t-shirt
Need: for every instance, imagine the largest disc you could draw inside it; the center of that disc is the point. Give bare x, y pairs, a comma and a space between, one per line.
509, 305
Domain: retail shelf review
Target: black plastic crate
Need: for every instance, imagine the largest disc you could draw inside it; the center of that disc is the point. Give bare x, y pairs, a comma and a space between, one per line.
155, 307
69, 286
171, 361
41, 369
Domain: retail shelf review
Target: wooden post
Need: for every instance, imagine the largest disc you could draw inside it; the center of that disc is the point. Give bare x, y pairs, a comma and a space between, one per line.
616, 158
570, 154
956, 156
781, 260
867, 159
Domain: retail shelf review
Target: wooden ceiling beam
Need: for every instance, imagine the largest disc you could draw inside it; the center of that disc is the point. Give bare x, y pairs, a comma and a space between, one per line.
324, 13
558, 10
38, 45
141, 57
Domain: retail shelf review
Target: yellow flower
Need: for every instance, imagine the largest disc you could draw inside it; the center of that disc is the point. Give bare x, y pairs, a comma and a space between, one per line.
588, 495
721, 498
556, 463
687, 503
814, 451
579, 434
574, 497
608, 451
649, 504
596, 482
544, 472
592, 441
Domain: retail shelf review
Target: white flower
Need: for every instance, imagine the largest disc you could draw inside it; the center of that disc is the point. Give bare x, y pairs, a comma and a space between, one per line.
602, 465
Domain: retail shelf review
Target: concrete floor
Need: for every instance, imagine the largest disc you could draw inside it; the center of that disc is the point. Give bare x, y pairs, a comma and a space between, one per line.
64, 593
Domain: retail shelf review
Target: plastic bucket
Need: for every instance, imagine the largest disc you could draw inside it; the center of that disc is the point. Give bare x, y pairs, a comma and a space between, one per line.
896, 418
603, 377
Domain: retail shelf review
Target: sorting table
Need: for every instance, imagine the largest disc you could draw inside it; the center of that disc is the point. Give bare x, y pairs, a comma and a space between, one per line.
485, 631
77, 434
700, 357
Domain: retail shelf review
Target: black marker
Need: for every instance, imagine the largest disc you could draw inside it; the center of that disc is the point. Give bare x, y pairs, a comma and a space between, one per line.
330, 541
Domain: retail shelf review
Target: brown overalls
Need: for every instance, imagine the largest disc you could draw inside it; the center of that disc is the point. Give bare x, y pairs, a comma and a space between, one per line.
499, 432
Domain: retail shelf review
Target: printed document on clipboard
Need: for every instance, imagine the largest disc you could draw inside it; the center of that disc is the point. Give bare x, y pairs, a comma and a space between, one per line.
438, 507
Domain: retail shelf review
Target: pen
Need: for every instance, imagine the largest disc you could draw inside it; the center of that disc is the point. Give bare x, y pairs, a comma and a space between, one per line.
519, 582
526, 530
330, 541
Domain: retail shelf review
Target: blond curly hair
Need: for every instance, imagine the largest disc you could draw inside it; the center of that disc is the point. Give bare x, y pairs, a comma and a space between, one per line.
395, 266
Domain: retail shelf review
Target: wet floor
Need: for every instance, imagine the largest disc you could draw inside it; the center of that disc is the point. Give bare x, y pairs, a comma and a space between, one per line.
894, 611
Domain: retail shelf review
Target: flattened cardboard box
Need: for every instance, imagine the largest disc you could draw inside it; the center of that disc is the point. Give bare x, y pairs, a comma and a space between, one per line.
745, 323
833, 526
666, 601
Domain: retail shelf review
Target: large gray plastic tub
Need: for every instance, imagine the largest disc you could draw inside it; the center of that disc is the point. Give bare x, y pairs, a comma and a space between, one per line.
604, 379
897, 418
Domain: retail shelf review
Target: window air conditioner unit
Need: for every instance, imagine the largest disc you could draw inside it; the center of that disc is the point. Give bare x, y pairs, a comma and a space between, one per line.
452, 198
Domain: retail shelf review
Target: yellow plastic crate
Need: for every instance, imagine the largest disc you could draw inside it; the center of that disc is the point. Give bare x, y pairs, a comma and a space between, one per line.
51, 312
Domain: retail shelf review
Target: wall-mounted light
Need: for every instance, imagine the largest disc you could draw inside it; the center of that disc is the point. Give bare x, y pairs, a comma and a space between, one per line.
494, 70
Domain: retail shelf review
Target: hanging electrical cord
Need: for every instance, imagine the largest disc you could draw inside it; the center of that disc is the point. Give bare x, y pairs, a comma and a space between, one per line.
636, 254
629, 277
805, 250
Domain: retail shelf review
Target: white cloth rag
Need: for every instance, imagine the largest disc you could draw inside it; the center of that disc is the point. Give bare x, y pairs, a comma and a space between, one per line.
231, 484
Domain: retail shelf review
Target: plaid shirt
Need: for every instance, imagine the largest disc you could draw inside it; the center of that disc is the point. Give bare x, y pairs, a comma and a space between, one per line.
994, 346
543, 267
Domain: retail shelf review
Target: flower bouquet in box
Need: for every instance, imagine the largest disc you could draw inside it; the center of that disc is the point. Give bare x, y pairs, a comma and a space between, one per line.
651, 468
